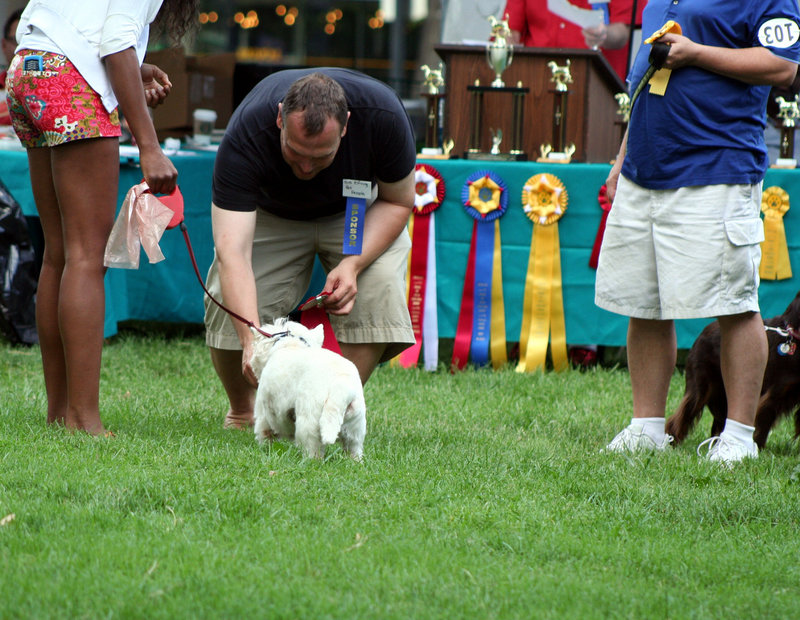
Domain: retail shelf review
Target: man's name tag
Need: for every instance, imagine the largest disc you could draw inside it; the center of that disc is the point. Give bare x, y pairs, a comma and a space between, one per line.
357, 194
353, 188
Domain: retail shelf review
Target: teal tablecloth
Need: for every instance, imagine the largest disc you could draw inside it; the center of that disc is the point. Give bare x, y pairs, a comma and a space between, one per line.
169, 291
585, 322
166, 291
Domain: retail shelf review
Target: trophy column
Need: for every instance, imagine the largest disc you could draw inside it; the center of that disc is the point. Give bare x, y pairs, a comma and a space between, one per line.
432, 120
499, 53
559, 151
476, 123
789, 113
517, 119
433, 81
475, 118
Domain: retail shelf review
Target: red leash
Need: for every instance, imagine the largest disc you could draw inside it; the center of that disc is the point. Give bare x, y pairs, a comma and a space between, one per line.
210, 296
174, 202
311, 311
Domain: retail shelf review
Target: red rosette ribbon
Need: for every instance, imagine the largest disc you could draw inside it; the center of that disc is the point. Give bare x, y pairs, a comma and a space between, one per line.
605, 205
428, 196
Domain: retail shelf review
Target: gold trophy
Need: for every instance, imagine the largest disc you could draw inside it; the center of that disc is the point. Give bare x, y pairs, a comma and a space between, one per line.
789, 113
559, 151
623, 107
431, 85
623, 111
500, 51
497, 138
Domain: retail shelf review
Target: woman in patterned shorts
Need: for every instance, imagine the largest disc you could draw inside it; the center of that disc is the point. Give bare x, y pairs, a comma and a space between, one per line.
76, 63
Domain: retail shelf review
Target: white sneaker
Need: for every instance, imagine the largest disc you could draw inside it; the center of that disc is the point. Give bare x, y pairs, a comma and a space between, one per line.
727, 450
633, 438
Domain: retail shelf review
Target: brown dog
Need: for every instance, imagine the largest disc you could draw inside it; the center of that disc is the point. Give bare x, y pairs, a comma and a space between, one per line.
780, 390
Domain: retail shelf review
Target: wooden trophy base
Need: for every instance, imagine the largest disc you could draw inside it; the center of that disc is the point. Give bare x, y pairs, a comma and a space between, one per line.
555, 158
496, 156
433, 153
785, 162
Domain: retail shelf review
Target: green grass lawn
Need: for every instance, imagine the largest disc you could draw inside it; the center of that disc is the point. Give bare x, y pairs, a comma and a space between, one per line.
481, 495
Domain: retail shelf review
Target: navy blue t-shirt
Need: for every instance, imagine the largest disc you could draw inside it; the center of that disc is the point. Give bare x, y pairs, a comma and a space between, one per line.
707, 129
250, 172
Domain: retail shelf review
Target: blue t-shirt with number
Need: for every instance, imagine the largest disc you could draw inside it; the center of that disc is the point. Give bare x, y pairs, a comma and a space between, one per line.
707, 129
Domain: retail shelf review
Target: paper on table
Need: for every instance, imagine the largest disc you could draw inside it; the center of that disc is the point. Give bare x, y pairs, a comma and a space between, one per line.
585, 18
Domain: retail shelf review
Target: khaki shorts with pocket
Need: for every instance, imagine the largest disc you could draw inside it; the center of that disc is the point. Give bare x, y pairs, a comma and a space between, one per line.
692, 252
283, 261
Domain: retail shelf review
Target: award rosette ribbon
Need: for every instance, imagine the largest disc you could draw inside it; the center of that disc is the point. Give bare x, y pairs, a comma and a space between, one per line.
605, 205
544, 200
481, 329
421, 278
775, 263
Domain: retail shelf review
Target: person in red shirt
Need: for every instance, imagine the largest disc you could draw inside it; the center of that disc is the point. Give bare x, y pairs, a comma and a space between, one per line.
9, 43
532, 25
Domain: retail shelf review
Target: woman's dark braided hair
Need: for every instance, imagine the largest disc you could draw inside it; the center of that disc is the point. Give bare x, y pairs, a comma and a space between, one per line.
176, 18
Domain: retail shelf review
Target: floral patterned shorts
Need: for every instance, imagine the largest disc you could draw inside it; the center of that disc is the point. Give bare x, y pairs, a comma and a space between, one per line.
51, 103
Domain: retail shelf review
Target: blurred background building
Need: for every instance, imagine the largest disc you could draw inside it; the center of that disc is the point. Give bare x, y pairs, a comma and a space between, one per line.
388, 39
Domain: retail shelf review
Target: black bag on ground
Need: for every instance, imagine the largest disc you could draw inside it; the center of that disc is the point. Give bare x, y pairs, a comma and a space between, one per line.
18, 273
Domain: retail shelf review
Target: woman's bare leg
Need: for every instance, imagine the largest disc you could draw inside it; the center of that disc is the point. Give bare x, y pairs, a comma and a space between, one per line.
53, 364
84, 180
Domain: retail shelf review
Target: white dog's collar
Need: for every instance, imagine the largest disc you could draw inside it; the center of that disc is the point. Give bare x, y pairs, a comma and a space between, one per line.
287, 334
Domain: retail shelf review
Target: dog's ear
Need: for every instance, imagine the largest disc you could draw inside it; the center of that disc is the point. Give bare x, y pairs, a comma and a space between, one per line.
318, 335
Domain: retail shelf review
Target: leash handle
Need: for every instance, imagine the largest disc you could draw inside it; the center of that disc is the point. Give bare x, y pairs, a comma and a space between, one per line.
173, 201
658, 55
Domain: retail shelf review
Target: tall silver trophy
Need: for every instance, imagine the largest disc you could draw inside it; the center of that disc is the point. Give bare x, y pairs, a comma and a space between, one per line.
500, 50
789, 112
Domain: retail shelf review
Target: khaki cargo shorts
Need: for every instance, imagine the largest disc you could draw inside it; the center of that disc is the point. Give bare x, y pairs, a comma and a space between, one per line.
283, 261
692, 252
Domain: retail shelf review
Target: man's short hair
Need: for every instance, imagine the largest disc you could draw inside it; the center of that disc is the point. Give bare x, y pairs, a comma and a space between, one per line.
319, 97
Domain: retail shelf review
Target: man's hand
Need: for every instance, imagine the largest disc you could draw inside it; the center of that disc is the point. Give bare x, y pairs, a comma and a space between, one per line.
247, 369
342, 282
682, 51
610, 37
595, 36
613, 179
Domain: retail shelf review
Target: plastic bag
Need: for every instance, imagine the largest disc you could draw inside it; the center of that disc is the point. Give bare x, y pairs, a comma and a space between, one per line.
142, 220
18, 274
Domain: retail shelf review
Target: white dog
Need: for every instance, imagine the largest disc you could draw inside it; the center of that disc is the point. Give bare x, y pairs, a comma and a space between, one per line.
306, 393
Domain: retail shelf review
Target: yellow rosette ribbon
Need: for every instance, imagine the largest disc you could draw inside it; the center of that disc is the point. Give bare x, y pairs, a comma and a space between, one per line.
775, 263
544, 200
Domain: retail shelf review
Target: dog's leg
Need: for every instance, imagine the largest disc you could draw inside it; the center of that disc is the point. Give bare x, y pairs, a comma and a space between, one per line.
306, 435
262, 430
354, 430
689, 411
261, 425
718, 406
766, 416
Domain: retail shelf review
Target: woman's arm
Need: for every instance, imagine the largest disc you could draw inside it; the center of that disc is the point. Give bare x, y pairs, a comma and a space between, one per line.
126, 79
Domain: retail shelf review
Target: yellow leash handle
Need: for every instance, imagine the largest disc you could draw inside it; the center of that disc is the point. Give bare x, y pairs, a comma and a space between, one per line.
658, 83
655, 74
670, 26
